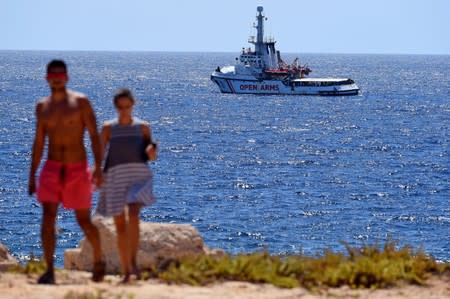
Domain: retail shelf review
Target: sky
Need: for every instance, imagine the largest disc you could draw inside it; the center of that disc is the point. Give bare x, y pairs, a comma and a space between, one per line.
298, 26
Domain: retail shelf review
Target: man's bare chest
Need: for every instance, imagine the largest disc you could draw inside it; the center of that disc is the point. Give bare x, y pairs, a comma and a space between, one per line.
62, 117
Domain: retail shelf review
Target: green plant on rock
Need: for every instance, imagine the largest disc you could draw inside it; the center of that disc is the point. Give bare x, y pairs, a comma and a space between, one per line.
34, 265
365, 267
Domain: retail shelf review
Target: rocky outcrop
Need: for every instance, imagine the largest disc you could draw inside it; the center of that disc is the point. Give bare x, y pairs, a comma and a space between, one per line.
158, 242
6, 260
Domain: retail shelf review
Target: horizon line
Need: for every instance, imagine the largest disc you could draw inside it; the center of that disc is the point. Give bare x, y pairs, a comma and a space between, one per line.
220, 52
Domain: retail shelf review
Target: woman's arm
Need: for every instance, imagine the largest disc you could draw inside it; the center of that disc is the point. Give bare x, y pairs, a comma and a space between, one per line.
105, 136
150, 146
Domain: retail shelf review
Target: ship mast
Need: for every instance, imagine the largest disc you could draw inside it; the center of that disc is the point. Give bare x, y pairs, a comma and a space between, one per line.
259, 45
264, 48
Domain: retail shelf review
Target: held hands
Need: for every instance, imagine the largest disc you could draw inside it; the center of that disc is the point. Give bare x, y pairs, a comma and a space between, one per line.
152, 151
97, 176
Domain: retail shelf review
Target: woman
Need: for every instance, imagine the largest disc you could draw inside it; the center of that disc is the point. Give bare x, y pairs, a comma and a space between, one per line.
127, 179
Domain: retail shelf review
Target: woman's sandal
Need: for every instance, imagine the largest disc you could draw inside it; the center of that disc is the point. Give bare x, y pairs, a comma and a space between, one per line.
127, 277
98, 273
136, 272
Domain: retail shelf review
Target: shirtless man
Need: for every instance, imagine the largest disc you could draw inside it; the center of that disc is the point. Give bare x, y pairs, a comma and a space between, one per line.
65, 178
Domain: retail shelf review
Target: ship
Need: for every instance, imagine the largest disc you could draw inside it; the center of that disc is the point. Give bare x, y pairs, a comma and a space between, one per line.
261, 70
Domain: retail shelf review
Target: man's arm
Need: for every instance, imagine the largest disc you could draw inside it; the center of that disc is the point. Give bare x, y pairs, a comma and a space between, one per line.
37, 150
91, 125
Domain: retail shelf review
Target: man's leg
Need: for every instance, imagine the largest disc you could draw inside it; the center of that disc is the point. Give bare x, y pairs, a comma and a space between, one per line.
90, 230
48, 238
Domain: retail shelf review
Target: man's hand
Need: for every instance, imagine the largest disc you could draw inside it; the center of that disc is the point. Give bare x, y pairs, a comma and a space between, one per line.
31, 185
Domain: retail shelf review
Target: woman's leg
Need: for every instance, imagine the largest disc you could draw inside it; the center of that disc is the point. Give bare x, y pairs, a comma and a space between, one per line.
123, 243
133, 231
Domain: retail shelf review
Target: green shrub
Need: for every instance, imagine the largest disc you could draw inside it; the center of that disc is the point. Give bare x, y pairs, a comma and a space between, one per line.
365, 267
34, 265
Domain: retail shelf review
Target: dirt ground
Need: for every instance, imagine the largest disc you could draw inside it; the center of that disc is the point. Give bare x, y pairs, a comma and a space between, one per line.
77, 285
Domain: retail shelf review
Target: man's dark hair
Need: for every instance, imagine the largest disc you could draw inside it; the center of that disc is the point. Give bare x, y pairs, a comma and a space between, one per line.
123, 93
56, 63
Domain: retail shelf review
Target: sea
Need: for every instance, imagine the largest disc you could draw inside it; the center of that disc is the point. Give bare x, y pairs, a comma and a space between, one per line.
283, 174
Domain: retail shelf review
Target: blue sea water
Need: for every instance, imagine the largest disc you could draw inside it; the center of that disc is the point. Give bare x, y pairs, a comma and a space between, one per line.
290, 174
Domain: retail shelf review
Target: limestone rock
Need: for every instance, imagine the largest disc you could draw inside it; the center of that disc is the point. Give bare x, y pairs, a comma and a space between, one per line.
158, 242
6, 260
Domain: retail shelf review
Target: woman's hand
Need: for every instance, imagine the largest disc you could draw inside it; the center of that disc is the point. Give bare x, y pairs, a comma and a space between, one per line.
152, 151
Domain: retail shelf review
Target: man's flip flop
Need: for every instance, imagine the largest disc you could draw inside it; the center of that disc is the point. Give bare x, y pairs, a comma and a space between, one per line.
98, 273
47, 278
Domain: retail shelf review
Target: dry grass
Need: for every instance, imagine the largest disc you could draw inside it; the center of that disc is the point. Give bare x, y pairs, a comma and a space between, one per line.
96, 295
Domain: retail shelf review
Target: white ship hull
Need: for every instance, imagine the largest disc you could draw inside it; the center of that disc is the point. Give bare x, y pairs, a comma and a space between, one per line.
304, 86
262, 71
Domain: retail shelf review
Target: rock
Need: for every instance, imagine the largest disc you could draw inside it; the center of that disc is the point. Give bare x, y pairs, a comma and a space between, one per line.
6, 260
158, 242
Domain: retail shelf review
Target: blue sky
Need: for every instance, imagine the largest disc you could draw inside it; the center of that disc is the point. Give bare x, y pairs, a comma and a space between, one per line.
299, 26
